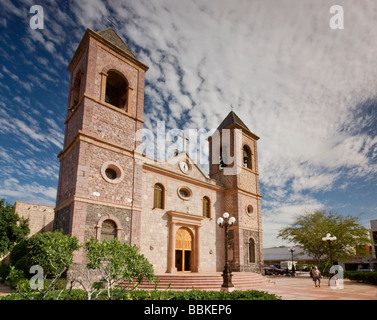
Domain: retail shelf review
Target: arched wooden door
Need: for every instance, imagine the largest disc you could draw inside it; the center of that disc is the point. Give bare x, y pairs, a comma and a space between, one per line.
183, 250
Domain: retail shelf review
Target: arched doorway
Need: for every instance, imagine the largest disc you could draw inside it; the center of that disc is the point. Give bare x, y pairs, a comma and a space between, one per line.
183, 250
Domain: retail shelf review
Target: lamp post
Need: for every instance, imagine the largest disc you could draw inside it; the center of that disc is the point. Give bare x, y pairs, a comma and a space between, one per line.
329, 239
291, 250
225, 222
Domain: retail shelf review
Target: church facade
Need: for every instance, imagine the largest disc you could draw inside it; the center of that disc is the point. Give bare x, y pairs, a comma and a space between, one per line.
108, 188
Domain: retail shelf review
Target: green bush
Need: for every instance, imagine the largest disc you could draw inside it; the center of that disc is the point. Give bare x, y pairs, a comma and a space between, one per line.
18, 256
363, 276
4, 271
53, 251
78, 294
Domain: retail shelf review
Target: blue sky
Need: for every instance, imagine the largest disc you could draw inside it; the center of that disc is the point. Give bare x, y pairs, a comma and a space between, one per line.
309, 92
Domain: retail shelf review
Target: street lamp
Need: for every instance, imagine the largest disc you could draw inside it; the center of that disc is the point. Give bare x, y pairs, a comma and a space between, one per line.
225, 222
291, 250
329, 240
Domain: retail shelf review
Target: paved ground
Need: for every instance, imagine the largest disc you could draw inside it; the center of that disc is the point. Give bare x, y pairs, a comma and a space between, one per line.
4, 290
302, 288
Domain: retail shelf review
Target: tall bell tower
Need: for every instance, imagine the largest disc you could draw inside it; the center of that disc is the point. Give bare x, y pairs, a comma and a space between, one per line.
234, 163
99, 188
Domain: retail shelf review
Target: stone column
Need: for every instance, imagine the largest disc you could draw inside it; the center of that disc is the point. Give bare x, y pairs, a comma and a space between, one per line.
129, 100
171, 248
103, 86
197, 249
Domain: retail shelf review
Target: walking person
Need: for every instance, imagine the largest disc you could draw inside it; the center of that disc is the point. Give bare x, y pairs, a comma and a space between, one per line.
317, 276
311, 272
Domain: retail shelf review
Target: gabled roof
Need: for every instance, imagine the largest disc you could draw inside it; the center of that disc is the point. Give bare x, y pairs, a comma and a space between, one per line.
110, 35
233, 121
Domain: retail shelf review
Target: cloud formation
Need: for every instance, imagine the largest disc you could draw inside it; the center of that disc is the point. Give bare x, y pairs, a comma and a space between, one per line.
308, 91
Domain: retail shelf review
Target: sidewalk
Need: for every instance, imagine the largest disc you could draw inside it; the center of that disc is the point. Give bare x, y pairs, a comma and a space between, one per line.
302, 288
4, 289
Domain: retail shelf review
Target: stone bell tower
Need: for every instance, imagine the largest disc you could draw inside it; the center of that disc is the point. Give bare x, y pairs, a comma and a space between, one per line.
100, 180
234, 163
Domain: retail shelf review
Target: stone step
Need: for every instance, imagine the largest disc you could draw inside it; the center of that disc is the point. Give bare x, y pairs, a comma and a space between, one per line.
207, 281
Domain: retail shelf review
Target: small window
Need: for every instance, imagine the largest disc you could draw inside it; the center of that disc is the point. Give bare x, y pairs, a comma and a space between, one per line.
206, 207
108, 230
116, 90
246, 154
184, 193
251, 251
249, 209
112, 172
158, 201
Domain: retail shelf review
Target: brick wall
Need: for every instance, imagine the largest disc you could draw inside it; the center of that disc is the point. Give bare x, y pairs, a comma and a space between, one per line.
40, 216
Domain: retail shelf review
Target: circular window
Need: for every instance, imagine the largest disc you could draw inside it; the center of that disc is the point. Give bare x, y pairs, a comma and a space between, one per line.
184, 193
112, 172
249, 209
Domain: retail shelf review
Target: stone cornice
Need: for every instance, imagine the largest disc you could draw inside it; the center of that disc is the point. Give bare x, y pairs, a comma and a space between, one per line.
94, 201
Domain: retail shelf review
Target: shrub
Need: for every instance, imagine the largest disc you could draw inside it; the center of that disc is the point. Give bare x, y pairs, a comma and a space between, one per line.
363, 276
78, 294
4, 271
53, 251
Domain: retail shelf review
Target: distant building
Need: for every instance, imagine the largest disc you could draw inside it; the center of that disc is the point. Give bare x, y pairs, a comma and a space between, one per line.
41, 217
368, 262
276, 255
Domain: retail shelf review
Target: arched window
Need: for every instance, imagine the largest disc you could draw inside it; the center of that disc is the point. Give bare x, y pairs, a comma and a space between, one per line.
246, 157
108, 230
116, 89
76, 92
251, 251
206, 207
158, 199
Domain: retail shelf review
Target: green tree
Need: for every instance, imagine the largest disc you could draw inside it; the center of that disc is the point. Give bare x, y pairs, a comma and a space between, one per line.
13, 229
52, 251
309, 229
113, 263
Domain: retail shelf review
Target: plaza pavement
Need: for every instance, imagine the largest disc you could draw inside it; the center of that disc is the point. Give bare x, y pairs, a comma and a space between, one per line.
302, 288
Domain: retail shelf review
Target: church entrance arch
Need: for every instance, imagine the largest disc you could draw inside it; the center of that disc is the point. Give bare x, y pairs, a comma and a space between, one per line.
183, 250
183, 242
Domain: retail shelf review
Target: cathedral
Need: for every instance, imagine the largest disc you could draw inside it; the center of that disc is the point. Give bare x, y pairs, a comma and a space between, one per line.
108, 188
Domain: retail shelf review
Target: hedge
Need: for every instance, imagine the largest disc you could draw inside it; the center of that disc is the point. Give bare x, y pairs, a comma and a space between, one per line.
78, 294
364, 276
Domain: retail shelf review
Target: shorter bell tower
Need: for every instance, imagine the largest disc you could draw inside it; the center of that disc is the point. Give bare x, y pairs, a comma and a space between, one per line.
234, 163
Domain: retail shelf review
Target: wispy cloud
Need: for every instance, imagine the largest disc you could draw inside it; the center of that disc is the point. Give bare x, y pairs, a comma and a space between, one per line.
306, 90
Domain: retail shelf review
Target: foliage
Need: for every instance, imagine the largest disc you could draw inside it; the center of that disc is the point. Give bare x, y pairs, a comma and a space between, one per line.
364, 276
76, 294
115, 263
18, 256
53, 251
4, 270
309, 229
13, 229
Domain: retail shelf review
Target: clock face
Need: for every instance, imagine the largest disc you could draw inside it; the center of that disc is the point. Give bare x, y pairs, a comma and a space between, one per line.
184, 166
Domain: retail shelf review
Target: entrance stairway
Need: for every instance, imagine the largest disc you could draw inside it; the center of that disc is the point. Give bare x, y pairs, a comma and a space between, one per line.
207, 281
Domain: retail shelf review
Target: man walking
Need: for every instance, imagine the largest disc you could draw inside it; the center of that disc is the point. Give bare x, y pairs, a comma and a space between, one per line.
317, 276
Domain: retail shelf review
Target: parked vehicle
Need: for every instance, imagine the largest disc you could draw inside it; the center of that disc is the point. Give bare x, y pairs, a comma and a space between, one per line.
268, 270
276, 270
